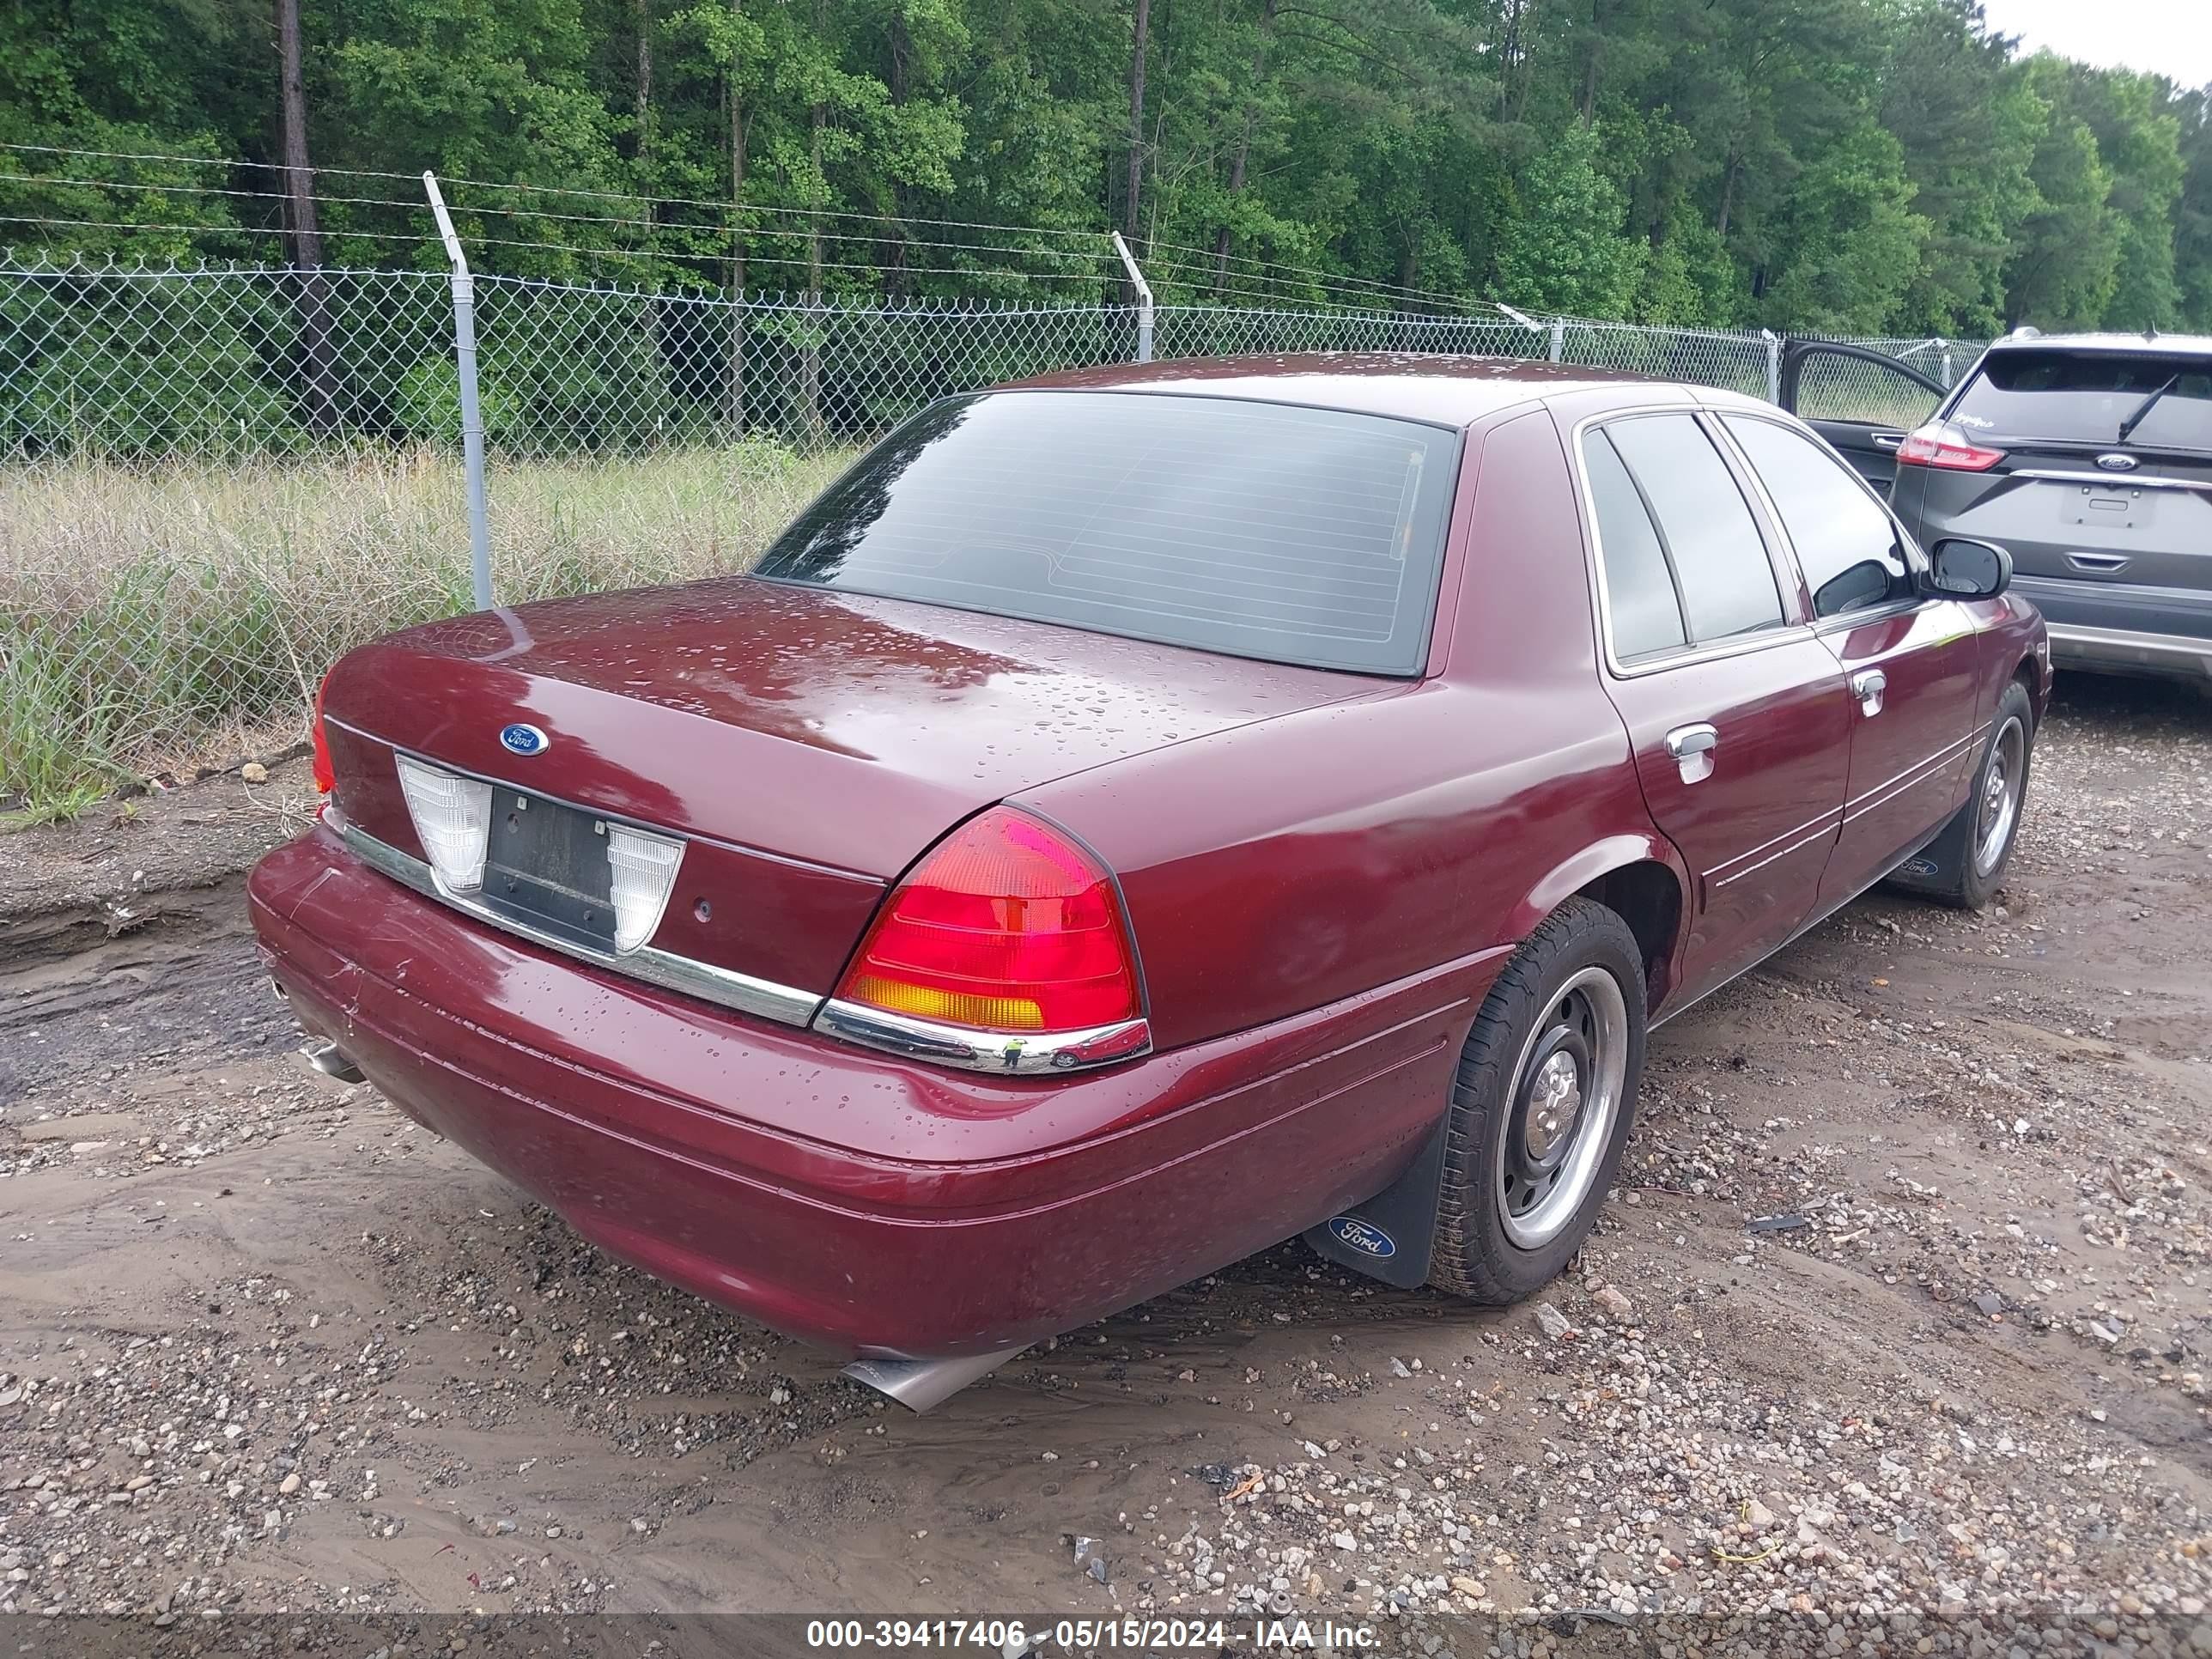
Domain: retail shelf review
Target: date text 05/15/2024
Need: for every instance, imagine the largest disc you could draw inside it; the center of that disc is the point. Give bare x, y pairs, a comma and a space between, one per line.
1014, 1639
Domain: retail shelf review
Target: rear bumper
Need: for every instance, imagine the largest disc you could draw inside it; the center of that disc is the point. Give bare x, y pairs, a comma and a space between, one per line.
2123, 627
917, 1212
2116, 651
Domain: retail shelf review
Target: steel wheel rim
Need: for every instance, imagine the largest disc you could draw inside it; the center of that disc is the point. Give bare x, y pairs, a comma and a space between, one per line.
1997, 809
1561, 1109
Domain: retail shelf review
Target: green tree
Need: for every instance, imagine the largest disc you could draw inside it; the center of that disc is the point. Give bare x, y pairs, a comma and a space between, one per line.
1565, 249
2065, 256
1875, 164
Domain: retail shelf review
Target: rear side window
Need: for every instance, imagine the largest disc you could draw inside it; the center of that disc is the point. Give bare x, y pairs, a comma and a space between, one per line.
2084, 396
1298, 534
1845, 543
1712, 542
1641, 608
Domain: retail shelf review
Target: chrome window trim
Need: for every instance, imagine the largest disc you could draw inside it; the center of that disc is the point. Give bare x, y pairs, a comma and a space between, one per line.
2107, 480
1003, 1052
748, 995
1766, 639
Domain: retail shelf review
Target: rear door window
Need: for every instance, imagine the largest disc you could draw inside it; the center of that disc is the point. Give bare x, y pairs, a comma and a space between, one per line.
1712, 542
1642, 611
2084, 396
1302, 536
1847, 545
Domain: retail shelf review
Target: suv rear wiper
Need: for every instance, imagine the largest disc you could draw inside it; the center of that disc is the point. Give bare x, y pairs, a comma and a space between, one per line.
2127, 425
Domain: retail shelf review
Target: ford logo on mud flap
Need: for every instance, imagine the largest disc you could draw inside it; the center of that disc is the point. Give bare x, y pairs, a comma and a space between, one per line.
524, 740
1364, 1236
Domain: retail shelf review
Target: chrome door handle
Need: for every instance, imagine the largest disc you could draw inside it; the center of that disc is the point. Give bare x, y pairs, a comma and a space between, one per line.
1868, 685
1692, 748
1886, 440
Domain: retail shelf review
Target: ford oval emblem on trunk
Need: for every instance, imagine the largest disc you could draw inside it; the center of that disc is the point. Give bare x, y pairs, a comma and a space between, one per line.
1364, 1236
524, 739
2117, 462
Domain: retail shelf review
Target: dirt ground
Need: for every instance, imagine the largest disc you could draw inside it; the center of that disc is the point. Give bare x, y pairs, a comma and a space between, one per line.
1897, 1325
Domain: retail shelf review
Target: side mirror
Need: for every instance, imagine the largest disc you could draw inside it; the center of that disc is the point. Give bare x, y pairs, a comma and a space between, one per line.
1962, 569
1856, 586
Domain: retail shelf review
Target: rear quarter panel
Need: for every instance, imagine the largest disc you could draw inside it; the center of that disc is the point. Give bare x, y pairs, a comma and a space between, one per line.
1291, 863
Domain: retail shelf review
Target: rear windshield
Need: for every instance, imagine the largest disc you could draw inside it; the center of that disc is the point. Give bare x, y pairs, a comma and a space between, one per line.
2083, 397
1300, 535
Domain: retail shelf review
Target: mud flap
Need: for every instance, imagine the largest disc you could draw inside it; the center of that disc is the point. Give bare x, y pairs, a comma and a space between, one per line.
1392, 1236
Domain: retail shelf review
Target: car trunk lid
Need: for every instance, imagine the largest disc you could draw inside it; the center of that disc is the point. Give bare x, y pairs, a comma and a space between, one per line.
807, 745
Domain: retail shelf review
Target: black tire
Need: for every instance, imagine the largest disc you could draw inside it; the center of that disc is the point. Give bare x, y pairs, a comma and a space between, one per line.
1518, 1032
1960, 867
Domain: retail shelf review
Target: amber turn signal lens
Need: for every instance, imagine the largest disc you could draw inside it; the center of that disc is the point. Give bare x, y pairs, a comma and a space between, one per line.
326, 777
1007, 925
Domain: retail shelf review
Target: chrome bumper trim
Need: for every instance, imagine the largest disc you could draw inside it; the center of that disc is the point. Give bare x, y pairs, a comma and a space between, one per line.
671, 972
1008, 1054
2124, 648
2108, 480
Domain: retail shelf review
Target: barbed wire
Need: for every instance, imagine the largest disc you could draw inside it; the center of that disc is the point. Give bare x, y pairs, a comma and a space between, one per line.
1205, 269
725, 205
1367, 283
418, 205
644, 228
204, 162
208, 229
828, 267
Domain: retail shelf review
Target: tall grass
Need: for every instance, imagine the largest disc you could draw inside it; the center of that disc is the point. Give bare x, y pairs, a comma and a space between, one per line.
155, 616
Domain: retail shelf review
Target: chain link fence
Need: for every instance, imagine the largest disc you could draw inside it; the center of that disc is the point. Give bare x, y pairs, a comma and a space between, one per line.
213, 482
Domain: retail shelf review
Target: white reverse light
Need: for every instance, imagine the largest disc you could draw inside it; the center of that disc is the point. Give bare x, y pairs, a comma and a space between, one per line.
642, 874
452, 820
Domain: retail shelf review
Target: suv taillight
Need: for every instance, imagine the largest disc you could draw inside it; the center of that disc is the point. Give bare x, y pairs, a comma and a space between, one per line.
1007, 925
1940, 446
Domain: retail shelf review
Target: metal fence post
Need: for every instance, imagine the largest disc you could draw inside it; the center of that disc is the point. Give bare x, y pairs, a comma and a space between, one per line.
1946, 345
1773, 365
1558, 340
464, 359
1532, 325
1144, 299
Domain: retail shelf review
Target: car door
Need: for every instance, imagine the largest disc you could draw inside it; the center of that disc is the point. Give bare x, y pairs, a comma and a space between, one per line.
1738, 715
1909, 656
1862, 402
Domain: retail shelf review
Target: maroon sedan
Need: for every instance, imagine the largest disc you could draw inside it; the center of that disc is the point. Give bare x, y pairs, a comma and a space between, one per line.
1140, 815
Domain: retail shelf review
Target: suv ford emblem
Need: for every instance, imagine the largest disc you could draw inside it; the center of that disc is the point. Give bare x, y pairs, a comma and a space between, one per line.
2117, 462
1364, 1236
524, 739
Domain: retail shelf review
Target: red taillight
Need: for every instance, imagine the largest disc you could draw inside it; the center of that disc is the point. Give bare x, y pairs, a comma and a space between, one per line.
326, 778
1938, 445
1007, 925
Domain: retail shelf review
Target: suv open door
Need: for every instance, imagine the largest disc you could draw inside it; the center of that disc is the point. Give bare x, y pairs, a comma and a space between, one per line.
1861, 401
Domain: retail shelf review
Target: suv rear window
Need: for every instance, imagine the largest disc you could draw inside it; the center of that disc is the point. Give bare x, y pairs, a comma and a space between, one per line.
1300, 536
2082, 396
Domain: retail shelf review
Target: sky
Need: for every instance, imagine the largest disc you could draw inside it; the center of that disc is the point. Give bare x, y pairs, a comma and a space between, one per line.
2173, 37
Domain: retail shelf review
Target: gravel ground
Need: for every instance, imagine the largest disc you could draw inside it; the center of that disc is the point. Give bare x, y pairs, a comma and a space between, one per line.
1892, 1339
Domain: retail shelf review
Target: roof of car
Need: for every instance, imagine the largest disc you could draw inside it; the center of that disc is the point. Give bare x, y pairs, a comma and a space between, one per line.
2194, 345
1451, 390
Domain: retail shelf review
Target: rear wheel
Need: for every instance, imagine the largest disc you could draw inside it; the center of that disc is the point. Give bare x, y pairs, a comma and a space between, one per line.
1540, 1106
1964, 864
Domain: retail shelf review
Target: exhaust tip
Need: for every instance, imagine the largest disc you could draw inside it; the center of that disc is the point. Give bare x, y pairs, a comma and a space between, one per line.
920, 1384
331, 1061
